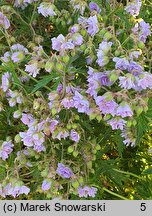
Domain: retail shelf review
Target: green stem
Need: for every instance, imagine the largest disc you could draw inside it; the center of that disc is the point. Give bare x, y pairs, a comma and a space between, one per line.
28, 24
128, 173
114, 194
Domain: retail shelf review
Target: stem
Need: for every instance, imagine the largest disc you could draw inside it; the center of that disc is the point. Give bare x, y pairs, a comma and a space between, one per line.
114, 194
28, 24
128, 173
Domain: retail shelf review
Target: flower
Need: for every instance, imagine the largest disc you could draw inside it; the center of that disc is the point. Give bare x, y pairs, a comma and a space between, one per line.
145, 31
92, 25
106, 106
102, 52
5, 81
94, 6
15, 97
46, 185
129, 137
32, 69
15, 191
33, 137
67, 103
127, 82
121, 63
124, 110
77, 39
46, 9
146, 81
6, 56
133, 7
17, 56
117, 123
74, 136
60, 43
4, 21
135, 68
19, 47
63, 171
6, 149
80, 103
87, 191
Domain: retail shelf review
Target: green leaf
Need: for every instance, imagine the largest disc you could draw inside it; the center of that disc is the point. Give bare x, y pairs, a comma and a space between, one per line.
43, 82
148, 171
142, 127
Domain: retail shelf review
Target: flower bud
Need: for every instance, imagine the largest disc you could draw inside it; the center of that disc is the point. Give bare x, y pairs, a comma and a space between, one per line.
113, 77
75, 184
17, 138
53, 111
141, 45
66, 59
83, 47
70, 149
139, 110
107, 36
49, 66
75, 153
59, 66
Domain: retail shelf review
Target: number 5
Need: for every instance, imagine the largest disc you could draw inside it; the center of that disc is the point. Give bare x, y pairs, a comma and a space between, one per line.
143, 207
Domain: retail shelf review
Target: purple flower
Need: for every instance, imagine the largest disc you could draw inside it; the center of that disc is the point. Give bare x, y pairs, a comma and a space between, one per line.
134, 7
129, 137
117, 123
27, 119
87, 191
6, 149
17, 56
134, 54
74, 28
104, 79
74, 136
6, 56
53, 125
93, 82
67, 103
94, 6
19, 47
46, 185
33, 137
63, 171
24, 190
61, 135
121, 63
5, 81
77, 39
32, 69
135, 68
146, 81
124, 110
60, 43
4, 21
145, 31
17, 114
106, 106
92, 25
127, 82
46, 9
16, 98
102, 52
105, 46
80, 103
15, 191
